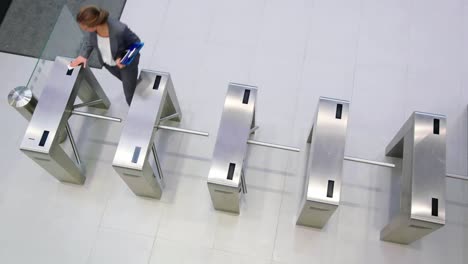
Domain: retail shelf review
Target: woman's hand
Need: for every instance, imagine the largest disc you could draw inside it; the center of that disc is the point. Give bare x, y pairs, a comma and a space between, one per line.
120, 65
79, 60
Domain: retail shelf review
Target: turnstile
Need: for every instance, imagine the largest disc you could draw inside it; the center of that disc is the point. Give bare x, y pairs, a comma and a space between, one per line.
50, 118
322, 187
421, 145
226, 181
154, 100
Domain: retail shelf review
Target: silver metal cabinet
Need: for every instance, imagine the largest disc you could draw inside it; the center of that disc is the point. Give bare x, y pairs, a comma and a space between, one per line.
225, 179
327, 138
421, 143
50, 118
154, 100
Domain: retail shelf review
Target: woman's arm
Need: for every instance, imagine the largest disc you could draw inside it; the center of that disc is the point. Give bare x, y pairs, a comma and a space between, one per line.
86, 46
129, 37
85, 51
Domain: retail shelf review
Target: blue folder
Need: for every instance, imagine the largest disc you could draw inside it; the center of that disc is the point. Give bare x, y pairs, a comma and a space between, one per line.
131, 53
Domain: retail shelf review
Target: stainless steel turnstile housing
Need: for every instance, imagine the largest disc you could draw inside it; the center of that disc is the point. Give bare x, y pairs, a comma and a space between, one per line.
322, 187
41, 141
225, 179
154, 99
421, 144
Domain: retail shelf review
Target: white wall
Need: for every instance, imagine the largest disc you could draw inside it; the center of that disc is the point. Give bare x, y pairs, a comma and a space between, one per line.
388, 57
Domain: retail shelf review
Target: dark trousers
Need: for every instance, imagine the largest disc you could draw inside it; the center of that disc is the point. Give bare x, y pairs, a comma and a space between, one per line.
128, 76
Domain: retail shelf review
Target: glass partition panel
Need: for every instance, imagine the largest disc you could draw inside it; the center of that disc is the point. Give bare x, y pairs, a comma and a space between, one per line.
65, 40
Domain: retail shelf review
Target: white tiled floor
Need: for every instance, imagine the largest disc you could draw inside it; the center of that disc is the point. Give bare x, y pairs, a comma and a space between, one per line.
113, 246
388, 57
170, 252
189, 217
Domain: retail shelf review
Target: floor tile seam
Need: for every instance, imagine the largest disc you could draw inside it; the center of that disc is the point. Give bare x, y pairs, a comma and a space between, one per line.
183, 243
118, 230
158, 35
232, 252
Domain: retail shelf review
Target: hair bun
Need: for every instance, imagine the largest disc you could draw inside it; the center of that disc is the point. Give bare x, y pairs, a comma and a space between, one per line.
92, 16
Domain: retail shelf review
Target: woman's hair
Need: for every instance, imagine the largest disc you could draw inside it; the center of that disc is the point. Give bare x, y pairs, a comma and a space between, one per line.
92, 16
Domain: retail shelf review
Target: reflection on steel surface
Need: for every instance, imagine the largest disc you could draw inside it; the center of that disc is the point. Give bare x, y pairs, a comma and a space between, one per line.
327, 138
154, 98
41, 141
421, 145
225, 179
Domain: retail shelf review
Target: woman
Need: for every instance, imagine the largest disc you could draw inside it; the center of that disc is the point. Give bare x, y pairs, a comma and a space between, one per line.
111, 38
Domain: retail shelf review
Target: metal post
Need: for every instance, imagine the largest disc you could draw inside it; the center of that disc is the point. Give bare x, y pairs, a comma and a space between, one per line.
73, 144
378, 163
90, 103
23, 100
156, 160
269, 145
391, 165
455, 176
193, 132
102, 117
169, 117
253, 129
243, 183
116, 119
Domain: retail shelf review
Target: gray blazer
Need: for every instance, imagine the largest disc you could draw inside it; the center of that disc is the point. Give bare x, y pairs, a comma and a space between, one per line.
121, 37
